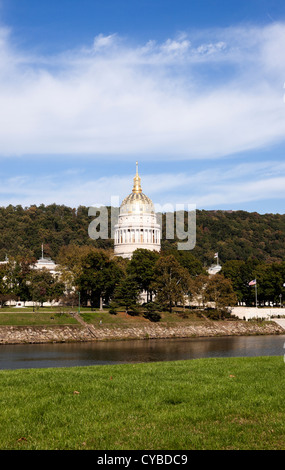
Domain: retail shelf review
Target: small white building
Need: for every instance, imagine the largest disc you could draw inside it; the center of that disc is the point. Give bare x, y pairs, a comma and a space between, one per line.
46, 263
41, 263
137, 225
214, 269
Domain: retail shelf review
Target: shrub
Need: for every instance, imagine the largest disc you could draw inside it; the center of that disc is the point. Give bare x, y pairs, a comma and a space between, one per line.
152, 316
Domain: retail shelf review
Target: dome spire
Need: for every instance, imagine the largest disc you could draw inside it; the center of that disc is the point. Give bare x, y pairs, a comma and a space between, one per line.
137, 181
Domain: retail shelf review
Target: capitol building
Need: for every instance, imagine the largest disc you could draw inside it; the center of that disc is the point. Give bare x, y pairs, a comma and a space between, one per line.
137, 225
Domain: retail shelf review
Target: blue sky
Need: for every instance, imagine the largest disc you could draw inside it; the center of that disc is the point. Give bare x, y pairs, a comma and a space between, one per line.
193, 90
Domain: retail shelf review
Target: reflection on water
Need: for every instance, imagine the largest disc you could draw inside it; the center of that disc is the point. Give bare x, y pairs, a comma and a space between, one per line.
115, 352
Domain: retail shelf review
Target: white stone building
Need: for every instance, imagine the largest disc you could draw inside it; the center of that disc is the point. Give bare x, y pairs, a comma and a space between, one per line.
137, 225
46, 263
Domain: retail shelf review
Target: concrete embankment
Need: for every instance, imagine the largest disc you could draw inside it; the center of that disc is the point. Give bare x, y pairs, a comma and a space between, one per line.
247, 313
84, 333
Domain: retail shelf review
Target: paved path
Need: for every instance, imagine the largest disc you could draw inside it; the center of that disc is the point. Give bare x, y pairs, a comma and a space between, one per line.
90, 328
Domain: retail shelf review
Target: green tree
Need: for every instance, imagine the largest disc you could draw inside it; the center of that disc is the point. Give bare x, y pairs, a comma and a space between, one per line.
44, 286
187, 260
98, 278
219, 290
233, 270
126, 295
152, 311
141, 269
171, 283
197, 290
241, 273
70, 263
270, 280
5, 292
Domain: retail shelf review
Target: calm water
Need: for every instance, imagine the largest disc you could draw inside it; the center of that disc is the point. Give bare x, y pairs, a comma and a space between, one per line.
85, 354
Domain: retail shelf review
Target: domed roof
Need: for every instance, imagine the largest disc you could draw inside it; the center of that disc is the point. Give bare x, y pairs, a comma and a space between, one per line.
137, 201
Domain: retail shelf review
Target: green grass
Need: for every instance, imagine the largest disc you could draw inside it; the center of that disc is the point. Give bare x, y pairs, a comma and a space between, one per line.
45, 316
40, 318
123, 320
61, 316
232, 403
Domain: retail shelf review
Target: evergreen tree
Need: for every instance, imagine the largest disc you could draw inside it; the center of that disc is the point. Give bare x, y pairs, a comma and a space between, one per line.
126, 295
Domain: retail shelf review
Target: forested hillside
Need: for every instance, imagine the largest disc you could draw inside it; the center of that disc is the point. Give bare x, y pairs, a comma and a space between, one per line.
240, 235
235, 235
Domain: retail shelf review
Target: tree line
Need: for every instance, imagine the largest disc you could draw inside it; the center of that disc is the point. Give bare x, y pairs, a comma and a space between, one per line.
250, 246
159, 281
270, 281
168, 279
236, 235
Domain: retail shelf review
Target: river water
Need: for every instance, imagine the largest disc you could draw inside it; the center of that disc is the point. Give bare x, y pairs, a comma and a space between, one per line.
134, 351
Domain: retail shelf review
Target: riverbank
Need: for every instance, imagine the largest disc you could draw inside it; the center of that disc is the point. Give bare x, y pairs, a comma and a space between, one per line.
205, 404
84, 332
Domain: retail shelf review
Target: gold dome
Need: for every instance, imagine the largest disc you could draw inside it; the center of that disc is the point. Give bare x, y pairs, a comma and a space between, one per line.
137, 201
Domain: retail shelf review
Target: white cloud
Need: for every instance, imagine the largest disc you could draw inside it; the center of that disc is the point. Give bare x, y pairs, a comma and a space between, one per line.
175, 46
153, 99
242, 192
211, 188
102, 41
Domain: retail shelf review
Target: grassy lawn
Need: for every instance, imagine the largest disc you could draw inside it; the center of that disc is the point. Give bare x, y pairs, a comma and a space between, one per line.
123, 320
61, 316
232, 403
39, 318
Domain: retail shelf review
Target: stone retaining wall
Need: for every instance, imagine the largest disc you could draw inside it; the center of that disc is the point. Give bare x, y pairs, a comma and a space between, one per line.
59, 334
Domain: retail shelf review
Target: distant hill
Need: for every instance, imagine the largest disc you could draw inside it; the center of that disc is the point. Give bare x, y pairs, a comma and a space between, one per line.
240, 235
234, 234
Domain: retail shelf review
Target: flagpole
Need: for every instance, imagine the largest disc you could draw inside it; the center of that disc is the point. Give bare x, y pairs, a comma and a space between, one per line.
256, 294
254, 283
